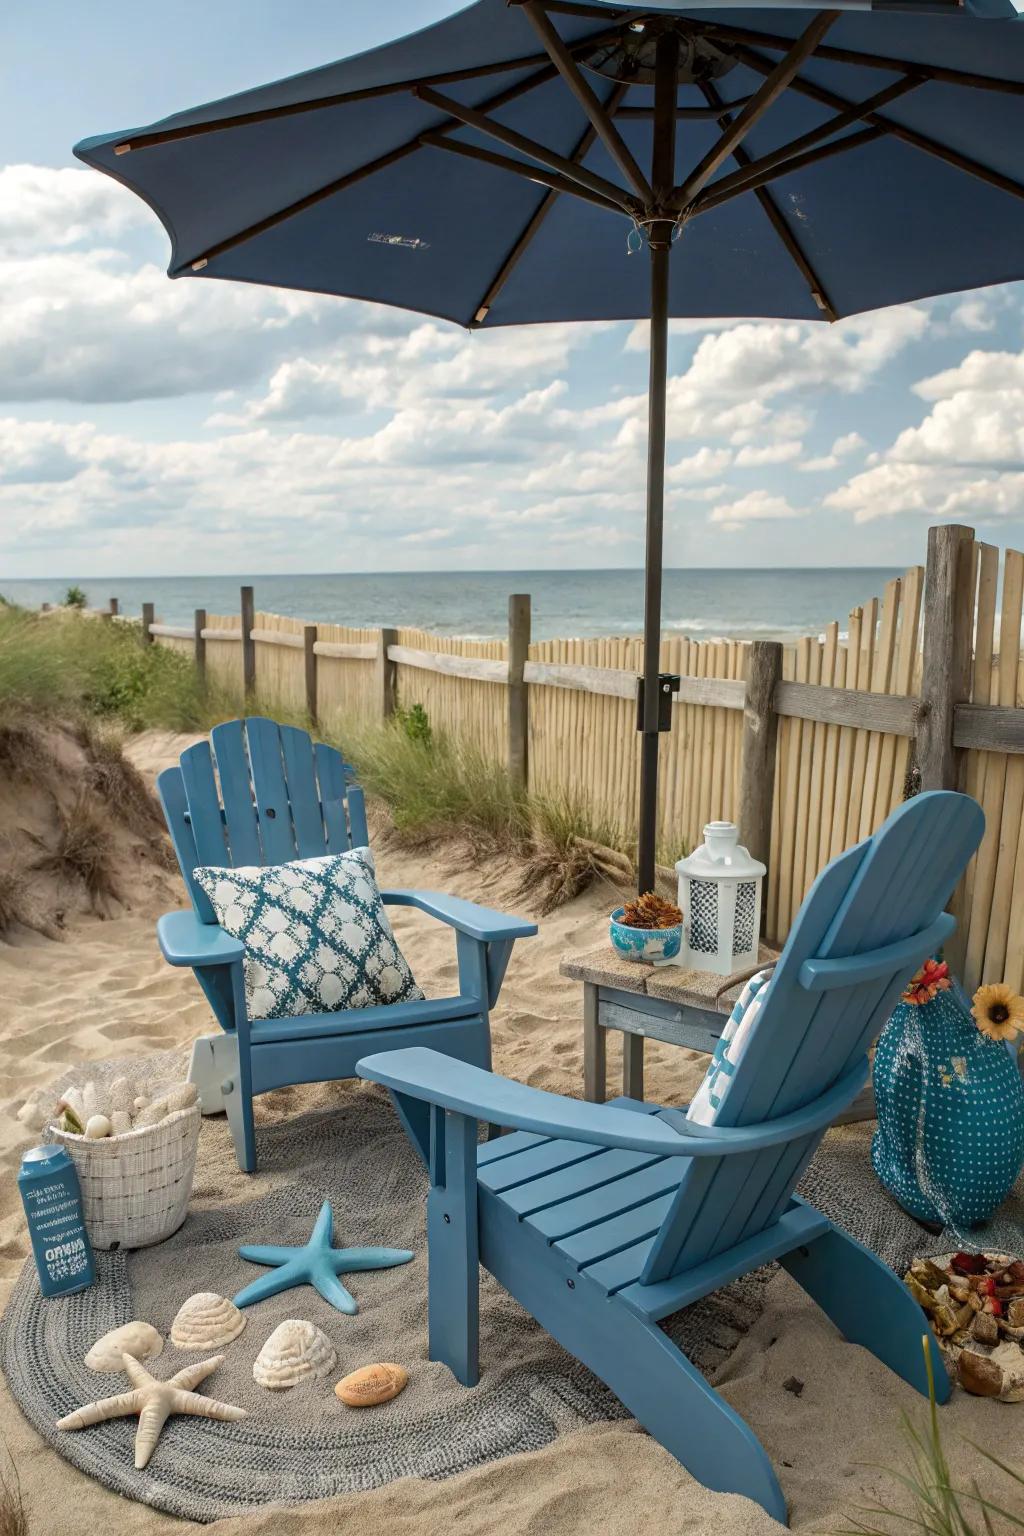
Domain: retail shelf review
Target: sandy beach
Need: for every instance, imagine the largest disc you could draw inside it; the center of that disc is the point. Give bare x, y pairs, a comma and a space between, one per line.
105, 991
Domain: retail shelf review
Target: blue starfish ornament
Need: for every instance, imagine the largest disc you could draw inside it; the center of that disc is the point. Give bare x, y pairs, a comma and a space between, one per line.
317, 1264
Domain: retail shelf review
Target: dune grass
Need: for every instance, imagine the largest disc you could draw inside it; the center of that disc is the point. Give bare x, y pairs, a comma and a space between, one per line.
933, 1505
72, 665
436, 787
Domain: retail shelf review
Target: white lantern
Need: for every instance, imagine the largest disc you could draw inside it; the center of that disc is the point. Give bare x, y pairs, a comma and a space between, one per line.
720, 897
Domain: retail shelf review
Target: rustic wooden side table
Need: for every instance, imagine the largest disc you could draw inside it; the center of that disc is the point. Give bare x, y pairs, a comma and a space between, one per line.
680, 1007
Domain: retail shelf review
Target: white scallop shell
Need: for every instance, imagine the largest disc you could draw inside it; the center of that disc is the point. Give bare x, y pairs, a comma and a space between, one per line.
139, 1340
206, 1321
295, 1350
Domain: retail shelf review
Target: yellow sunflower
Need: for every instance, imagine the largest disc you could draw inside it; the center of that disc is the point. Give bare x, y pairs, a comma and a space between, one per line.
998, 1011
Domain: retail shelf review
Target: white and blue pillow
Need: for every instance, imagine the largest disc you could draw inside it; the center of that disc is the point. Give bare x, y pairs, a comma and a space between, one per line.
707, 1102
316, 936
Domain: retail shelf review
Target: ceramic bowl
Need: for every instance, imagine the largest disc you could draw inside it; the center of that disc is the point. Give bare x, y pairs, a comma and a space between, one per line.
644, 943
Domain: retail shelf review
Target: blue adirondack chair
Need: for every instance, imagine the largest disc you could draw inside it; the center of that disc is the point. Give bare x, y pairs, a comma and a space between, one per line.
601, 1219
283, 797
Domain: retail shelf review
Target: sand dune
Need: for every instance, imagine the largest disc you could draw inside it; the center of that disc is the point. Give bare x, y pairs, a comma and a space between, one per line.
105, 991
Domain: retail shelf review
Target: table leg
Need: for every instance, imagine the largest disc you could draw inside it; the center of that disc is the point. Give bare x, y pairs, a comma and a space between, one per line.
633, 1066
594, 1054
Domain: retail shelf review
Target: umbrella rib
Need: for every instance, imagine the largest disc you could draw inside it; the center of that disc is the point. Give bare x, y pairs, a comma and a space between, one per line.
351, 178
711, 198
562, 58
739, 180
157, 136
532, 228
939, 72
906, 135
767, 94
774, 214
532, 173
527, 146
683, 114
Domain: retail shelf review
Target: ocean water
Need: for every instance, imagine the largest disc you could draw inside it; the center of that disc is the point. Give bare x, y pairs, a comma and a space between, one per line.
741, 604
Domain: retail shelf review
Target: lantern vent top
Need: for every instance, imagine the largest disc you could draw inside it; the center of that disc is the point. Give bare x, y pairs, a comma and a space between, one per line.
721, 856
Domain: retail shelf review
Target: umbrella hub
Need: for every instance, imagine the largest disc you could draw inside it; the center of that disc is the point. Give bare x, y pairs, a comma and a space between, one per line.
630, 56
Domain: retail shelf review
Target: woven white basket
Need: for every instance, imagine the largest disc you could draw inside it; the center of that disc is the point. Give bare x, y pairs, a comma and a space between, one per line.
136, 1186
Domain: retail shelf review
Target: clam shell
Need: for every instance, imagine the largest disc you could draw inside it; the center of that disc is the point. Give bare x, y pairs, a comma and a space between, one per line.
140, 1340
372, 1384
295, 1350
206, 1321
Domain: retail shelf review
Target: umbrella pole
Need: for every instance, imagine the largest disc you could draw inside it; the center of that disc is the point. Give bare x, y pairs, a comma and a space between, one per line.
659, 254
660, 233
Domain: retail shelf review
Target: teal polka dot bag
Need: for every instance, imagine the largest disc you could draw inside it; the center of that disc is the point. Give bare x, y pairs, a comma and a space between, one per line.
950, 1104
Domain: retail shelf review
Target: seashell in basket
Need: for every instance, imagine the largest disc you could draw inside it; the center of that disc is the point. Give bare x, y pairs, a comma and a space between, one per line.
121, 1096
136, 1188
206, 1321
140, 1340
295, 1350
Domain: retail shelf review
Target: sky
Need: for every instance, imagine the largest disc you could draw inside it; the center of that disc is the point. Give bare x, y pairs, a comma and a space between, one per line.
158, 428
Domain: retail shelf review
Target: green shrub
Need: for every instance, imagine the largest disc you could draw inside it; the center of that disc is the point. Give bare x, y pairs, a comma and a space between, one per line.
414, 723
75, 597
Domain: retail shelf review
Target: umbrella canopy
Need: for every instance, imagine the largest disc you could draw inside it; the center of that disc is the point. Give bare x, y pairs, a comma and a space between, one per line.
499, 167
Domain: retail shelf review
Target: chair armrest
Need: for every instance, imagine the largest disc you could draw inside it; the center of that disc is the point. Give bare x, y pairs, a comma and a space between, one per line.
453, 1085
465, 916
185, 940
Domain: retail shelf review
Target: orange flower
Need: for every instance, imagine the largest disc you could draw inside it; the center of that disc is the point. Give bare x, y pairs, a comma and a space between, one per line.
931, 979
998, 1011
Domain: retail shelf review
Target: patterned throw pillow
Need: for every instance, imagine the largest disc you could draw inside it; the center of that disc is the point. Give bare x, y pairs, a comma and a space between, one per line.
316, 935
707, 1101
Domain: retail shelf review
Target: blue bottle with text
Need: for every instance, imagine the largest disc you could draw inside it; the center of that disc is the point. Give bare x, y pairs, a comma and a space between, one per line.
52, 1197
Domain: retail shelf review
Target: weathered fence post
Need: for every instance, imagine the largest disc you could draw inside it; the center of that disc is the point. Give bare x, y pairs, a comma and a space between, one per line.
248, 643
386, 672
309, 632
518, 691
760, 737
115, 607
199, 643
945, 653
148, 618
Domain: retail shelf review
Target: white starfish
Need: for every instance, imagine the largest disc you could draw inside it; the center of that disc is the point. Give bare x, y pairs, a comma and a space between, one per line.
154, 1401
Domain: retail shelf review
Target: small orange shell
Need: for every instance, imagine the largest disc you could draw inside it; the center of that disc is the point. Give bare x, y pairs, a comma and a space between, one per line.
372, 1384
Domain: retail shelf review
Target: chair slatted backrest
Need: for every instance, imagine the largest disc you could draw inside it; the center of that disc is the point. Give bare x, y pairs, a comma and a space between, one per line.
812, 1029
258, 793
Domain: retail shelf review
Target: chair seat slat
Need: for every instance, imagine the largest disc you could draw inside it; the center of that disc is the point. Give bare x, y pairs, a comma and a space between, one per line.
593, 1173
606, 1238
562, 1220
534, 1163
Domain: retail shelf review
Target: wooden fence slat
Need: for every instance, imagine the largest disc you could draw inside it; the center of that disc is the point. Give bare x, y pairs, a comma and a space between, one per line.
977, 963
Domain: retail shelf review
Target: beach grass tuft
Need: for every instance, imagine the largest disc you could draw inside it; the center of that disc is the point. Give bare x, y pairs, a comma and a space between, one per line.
434, 786
935, 1507
83, 849
13, 1518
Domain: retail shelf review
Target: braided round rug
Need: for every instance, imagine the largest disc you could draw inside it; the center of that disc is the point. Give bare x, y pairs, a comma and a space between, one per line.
303, 1443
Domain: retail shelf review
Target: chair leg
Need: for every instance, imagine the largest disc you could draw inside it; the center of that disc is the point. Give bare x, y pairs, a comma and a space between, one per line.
668, 1395
454, 1256
237, 1097
870, 1306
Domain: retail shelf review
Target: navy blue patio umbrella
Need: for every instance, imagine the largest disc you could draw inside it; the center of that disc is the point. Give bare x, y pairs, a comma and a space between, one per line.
495, 168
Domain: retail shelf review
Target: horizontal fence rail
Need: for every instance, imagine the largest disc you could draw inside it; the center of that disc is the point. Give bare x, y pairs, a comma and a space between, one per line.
809, 745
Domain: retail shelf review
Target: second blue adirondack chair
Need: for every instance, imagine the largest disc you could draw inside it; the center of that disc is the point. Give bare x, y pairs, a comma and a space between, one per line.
282, 797
602, 1219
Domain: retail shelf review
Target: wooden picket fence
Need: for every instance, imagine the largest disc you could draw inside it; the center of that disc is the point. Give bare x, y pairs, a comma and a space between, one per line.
922, 685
